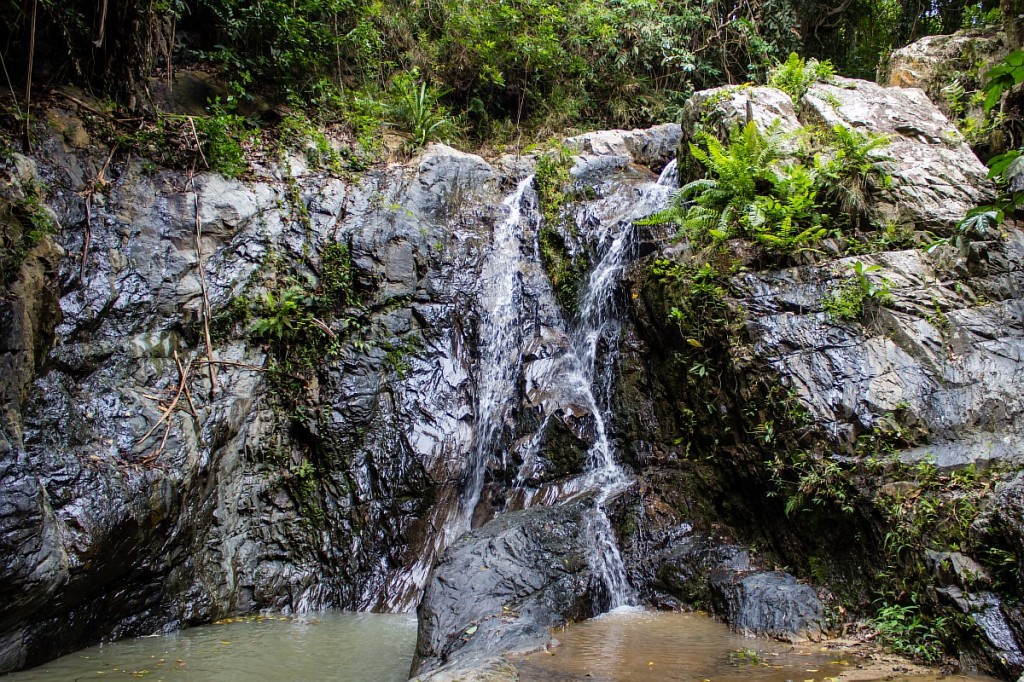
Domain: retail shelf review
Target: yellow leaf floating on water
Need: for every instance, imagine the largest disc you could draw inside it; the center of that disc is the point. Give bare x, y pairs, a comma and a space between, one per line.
225, 642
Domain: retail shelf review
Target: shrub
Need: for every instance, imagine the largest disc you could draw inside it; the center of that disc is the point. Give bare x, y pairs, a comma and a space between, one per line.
784, 204
795, 75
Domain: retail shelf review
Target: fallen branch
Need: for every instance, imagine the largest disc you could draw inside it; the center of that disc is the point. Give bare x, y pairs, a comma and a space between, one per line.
90, 190
199, 145
165, 417
188, 393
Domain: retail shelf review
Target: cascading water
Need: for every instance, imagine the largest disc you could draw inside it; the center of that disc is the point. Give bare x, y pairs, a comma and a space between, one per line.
585, 366
670, 175
500, 357
598, 324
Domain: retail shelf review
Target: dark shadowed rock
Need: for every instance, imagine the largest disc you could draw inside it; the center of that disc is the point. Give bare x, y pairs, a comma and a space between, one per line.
500, 588
711, 573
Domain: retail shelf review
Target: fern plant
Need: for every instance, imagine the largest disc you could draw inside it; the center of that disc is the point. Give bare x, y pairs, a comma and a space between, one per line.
851, 166
795, 75
738, 172
784, 204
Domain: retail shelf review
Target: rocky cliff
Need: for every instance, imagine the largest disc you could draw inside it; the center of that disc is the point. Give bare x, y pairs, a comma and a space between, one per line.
228, 395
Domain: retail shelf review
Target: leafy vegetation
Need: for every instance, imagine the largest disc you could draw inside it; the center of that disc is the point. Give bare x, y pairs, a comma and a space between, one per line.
795, 75
759, 188
846, 302
487, 70
556, 193
24, 221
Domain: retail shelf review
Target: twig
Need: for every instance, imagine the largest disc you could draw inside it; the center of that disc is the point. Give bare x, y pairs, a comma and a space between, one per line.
167, 410
202, 284
199, 145
88, 210
27, 142
88, 235
188, 393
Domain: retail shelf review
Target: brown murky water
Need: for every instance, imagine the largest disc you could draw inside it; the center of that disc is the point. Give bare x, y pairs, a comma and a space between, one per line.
357, 647
652, 645
368, 647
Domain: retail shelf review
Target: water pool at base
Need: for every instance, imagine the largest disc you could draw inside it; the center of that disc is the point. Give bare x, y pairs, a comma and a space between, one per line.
627, 644
633, 644
357, 647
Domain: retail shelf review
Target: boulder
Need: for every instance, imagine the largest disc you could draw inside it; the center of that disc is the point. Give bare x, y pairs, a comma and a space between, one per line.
500, 588
711, 573
934, 63
935, 177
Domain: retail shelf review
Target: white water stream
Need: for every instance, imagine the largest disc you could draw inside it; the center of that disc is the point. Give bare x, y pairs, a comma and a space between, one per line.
583, 381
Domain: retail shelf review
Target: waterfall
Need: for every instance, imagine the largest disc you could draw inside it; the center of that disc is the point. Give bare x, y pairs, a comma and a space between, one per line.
585, 366
670, 175
501, 293
598, 324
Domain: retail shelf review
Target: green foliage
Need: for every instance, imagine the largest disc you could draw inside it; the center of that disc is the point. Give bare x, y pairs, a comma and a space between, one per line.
847, 301
785, 205
811, 479
1007, 169
1003, 78
906, 631
795, 75
299, 132
24, 221
556, 192
223, 134
416, 108
302, 318
554, 182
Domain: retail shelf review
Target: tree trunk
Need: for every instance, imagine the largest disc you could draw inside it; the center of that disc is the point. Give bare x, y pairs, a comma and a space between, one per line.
1013, 22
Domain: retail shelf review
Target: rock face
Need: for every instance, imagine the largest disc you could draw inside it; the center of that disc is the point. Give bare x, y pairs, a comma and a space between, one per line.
786, 409
501, 588
111, 528
934, 63
252, 493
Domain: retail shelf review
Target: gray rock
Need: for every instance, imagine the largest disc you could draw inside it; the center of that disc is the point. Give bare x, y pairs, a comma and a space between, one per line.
652, 147
500, 588
711, 573
935, 177
768, 604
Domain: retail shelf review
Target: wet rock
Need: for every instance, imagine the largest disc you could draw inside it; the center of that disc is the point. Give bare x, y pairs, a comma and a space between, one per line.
711, 573
939, 370
986, 611
769, 604
935, 177
500, 588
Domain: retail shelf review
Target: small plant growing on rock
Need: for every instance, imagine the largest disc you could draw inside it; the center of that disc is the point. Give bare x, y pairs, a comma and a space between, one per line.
416, 107
795, 75
847, 301
223, 132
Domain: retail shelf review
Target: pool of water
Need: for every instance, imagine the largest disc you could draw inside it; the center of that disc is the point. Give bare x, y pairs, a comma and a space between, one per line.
632, 644
627, 644
363, 647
